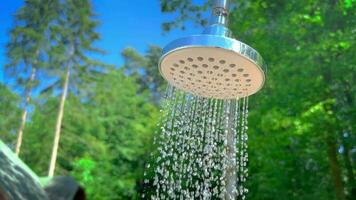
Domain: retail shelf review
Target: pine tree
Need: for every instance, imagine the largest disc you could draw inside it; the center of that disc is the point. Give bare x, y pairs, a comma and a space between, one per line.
73, 35
144, 69
27, 48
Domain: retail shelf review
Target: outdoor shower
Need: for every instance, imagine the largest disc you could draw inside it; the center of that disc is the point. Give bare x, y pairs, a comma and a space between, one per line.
213, 64
202, 145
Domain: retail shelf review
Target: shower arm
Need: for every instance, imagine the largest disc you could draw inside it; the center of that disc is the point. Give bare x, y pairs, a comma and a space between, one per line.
220, 12
219, 19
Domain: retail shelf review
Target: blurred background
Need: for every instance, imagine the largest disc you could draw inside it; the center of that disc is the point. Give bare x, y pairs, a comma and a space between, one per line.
84, 74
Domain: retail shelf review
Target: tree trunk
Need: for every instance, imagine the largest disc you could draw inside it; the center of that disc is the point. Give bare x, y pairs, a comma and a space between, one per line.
335, 169
24, 112
52, 164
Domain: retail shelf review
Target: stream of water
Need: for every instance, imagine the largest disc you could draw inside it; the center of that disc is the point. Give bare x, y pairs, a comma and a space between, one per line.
202, 148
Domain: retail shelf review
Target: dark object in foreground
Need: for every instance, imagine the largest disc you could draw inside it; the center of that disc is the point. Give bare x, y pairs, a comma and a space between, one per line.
19, 182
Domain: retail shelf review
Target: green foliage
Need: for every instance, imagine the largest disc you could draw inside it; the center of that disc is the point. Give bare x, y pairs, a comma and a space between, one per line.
144, 69
72, 35
83, 170
9, 115
29, 41
308, 102
105, 140
187, 10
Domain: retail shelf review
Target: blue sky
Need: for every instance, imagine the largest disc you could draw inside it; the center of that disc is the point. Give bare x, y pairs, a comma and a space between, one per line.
124, 23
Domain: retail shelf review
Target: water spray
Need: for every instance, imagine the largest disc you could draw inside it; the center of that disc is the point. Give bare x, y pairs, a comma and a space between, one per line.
202, 145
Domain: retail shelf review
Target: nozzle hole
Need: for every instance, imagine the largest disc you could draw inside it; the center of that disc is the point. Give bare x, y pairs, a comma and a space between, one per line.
216, 67
175, 65
232, 65
195, 66
205, 65
182, 61
226, 70
211, 59
200, 58
222, 61
200, 72
240, 70
233, 75
248, 80
246, 75
190, 59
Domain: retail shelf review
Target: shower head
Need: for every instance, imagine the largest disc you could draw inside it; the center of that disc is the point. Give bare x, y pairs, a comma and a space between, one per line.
213, 64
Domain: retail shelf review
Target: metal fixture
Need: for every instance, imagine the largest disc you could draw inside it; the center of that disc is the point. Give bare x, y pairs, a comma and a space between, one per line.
213, 64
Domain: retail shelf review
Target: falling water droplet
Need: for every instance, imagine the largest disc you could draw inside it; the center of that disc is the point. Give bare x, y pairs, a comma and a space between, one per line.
202, 148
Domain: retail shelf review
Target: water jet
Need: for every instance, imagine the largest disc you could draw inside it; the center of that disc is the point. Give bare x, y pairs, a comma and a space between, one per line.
202, 144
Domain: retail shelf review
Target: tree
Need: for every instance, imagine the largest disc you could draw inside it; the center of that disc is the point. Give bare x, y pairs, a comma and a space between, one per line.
73, 35
186, 11
145, 69
9, 115
313, 42
107, 136
27, 48
126, 122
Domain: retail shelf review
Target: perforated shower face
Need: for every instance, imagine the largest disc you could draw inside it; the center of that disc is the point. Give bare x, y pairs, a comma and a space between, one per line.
212, 72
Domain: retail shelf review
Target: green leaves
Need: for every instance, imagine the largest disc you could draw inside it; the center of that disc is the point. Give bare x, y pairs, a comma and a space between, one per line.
105, 140
145, 69
9, 115
187, 11
82, 169
29, 41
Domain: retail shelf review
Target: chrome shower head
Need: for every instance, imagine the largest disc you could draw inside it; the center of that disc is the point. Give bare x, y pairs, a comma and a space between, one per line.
213, 64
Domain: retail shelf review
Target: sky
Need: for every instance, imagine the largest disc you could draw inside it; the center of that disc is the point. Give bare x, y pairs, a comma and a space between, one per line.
123, 23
